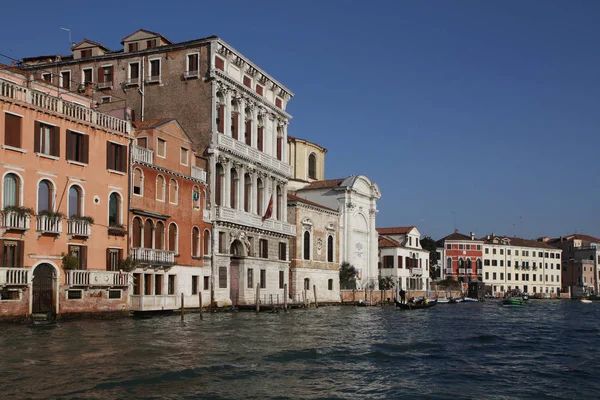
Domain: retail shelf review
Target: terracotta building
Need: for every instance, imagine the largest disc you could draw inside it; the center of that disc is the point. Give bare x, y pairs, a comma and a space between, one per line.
170, 226
461, 256
64, 186
235, 115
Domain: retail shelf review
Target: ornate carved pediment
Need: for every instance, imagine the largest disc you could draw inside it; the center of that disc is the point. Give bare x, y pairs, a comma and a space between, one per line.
331, 226
307, 221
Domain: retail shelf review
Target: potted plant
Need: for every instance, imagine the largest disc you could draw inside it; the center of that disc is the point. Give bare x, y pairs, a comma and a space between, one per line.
20, 211
87, 219
69, 262
117, 230
129, 264
51, 214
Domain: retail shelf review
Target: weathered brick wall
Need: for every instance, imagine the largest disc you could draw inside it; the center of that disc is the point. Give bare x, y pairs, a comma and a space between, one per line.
15, 310
92, 301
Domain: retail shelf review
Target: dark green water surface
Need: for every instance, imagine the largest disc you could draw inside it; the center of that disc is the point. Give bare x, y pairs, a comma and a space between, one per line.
546, 349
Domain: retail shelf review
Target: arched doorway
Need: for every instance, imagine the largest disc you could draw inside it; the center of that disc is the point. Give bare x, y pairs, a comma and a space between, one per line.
43, 289
235, 269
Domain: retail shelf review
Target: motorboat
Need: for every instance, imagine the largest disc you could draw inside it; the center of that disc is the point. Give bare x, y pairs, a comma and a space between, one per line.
513, 301
470, 300
585, 301
416, 306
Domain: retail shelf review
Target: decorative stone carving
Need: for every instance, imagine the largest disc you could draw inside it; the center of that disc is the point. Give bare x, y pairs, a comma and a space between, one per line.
319, 246
359, 250
307, 221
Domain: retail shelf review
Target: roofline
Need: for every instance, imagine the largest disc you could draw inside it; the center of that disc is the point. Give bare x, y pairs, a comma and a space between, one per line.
297, 139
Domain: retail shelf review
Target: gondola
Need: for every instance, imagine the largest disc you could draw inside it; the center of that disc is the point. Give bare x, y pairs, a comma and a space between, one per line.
415, 306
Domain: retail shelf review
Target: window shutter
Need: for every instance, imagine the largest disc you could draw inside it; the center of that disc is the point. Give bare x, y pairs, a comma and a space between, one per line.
108, 266
123, 159
55, 138
100, 75
2, 252
279, 141
83, 257
12, 130
235, 125
221, 111
109, 156
249, 132
20, 254
85, 144
69, 144
400, 262
260, 139
36, 136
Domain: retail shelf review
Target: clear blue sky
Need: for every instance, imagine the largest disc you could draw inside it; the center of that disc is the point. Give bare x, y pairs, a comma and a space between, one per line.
476, 113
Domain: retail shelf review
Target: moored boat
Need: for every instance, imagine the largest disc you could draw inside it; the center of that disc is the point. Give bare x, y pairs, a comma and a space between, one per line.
415, 306
470, 300
585, 301
512, 301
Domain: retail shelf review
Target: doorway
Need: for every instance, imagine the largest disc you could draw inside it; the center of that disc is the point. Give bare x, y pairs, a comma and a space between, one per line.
43, 288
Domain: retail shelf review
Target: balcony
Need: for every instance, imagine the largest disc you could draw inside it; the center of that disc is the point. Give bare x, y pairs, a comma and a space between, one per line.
153, 302
97, 278
461, 270
245, 218
12, 220
448, 271
469, 270
206, 215
479, 271
14, 276
153, 256
59, 106
46, 224
198, 174
79, 227
416, 271
142, 154
253, 155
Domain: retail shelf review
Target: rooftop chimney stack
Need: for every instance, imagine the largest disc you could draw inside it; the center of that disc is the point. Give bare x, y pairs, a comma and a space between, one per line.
472, 235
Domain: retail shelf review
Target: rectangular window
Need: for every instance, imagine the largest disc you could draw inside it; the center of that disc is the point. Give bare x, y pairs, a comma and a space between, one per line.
388, 261
501, 251
105, 99
516, 277
219, 64
449, 246
263, 248
493, 251
534, 276
11, 253
116, 157
105, 76
330, 284
281, 279
478, 247
77, 147
460, 246
132, 47
508, 276
161, 147
487, 251
259, 90
80, 253
46, 139
222, 244
247, 81
75, 294
468, 247
222, 277
150, 44
487, 276
502, 263
494, 263
87, 76
516, 252
86, 53
47, 77
137, 284
12, 130
501, 276
508, 263
508, 252
65, 80
195, 282
494, 275
278, 102
171, 287
154, 71
206, 283
183, 156
134, 74
192, 64
282, 251
113, 259
486, 263
250, 278
158, 284
263, 278
114, 294
400, 262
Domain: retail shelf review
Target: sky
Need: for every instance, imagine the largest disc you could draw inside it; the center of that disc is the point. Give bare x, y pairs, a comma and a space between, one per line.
477, 115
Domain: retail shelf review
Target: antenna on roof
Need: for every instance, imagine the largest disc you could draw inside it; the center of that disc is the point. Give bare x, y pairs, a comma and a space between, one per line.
70, 42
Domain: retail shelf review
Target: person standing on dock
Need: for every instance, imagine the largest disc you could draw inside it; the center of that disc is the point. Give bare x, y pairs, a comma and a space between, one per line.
402, 296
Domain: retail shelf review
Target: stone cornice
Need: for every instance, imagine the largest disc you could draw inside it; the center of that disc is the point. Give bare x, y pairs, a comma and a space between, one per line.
296, 203
246, 228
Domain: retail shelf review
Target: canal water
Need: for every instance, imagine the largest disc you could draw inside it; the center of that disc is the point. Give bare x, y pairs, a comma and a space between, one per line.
546, 349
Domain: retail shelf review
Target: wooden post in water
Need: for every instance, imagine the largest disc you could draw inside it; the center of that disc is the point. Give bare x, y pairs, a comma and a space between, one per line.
200, 302
365, 295
306, 302
257, 297
285, 296
182, 305
315, 291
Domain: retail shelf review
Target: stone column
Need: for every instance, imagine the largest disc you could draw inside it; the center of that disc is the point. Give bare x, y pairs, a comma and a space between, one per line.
242, 120
274, 193
255, 128
227, 122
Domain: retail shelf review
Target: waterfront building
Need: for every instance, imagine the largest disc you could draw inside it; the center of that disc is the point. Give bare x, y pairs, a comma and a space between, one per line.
402, 258
314, 253
580, 262
170, 231
307, 160
532, 266
235, 115
461, 257
64, 188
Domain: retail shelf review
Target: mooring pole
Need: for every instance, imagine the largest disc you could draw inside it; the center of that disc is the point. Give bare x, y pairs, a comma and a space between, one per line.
257, 297
315, 291
200, 303
182, 305
285, 295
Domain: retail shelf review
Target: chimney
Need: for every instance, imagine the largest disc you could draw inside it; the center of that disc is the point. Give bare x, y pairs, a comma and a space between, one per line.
488, 237
472, 235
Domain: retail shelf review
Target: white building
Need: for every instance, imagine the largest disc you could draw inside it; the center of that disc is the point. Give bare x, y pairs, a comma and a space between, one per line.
529, 265
402, 258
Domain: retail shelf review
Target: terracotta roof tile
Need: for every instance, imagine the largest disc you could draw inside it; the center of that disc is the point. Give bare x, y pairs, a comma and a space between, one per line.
515, 241
399, 230
329, 183
388, 242
151, 123
580, 236
293, 197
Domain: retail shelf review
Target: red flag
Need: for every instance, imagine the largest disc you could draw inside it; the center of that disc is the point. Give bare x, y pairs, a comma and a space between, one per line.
269, 211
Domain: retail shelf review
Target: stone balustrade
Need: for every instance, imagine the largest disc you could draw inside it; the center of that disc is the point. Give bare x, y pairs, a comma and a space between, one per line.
12, 220
49, 224
79, 227
97, 278
142, 154
253, 155
153, 256
238, 216
14, 276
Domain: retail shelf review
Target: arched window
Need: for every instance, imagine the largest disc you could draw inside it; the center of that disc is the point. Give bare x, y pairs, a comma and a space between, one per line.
279, 194
468, 266
449, 263
114, 209
235, 119
11, 191
306, 284
138, 182
173, 238
44, 196
306, 245
195, 242
173, 191
259, 196
248, 127
196, 197
478, 264
247, 192
206, 242
330, 248
312, 166
159, 236
137, 232
148, 228
220, 113
219, 176
233, 189
75, 201
461, 263
160, 188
